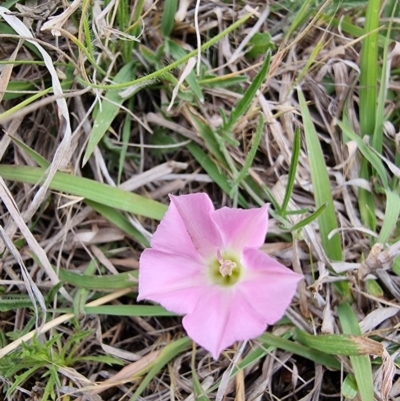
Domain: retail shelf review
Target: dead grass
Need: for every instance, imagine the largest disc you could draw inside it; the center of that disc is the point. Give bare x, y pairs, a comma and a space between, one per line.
45, 231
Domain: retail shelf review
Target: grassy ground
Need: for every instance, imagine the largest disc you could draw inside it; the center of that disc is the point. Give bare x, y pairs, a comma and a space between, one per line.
295, 103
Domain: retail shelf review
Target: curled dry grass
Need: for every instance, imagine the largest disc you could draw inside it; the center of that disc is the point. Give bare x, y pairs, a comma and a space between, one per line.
146, 147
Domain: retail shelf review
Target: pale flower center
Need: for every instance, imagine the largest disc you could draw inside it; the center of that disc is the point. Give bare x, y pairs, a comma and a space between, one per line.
225, 270
226, 266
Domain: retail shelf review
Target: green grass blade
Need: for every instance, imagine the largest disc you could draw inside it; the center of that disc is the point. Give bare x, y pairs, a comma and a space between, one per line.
161, 72
9, 304
361, 364
197, 388
338, 344
168, 17
119, 220
301, 17
322, 188
247, 361
126, 133
251, 155
136, 27
212, 170
223, 81
109, 109
110, 282
367, 152
245, 102
89, 189
128, 310
321, 358
167, 354
369, 69
368, 95
82, 294
12, 110
208, 136
292, 171
309, 219
377, 137
33, 155
366, 200
109, 213
178, 52
391, 219
349, 387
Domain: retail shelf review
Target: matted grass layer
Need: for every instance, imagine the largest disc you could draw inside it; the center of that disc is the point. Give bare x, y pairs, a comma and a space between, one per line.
108, 107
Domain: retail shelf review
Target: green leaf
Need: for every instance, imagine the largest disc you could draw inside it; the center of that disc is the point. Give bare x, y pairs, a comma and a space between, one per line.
369, 64
301, 350
292, 171
339, 344
369, 69
259, 44
107, 359
108, 212
89, 189
8, 304
119, 220
168, 17
128, 310
301, 16
322, 188
82, 294
12, 110
208, 136
103, 283
361, 364
197, 389
222, 81
308, 219
391, 219
373, 288
33, 155
349, 387
248, 97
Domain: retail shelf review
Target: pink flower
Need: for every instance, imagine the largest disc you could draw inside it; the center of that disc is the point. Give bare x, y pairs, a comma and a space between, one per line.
205, 264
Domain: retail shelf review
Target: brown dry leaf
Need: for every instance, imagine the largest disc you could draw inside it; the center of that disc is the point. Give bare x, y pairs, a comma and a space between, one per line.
366, 346
7, 71
379, 259
55, 23
388, 371
8, 200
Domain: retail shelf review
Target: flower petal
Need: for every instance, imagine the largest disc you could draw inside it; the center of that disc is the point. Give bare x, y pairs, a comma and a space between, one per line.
195, 210
241, 228
174, 281
171, 235
220, 319
269, 286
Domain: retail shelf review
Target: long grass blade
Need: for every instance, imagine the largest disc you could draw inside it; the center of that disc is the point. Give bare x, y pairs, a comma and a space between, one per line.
361, 364
322, 188
89, 189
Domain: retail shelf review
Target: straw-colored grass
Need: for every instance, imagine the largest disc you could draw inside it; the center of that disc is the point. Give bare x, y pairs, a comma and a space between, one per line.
108, 107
